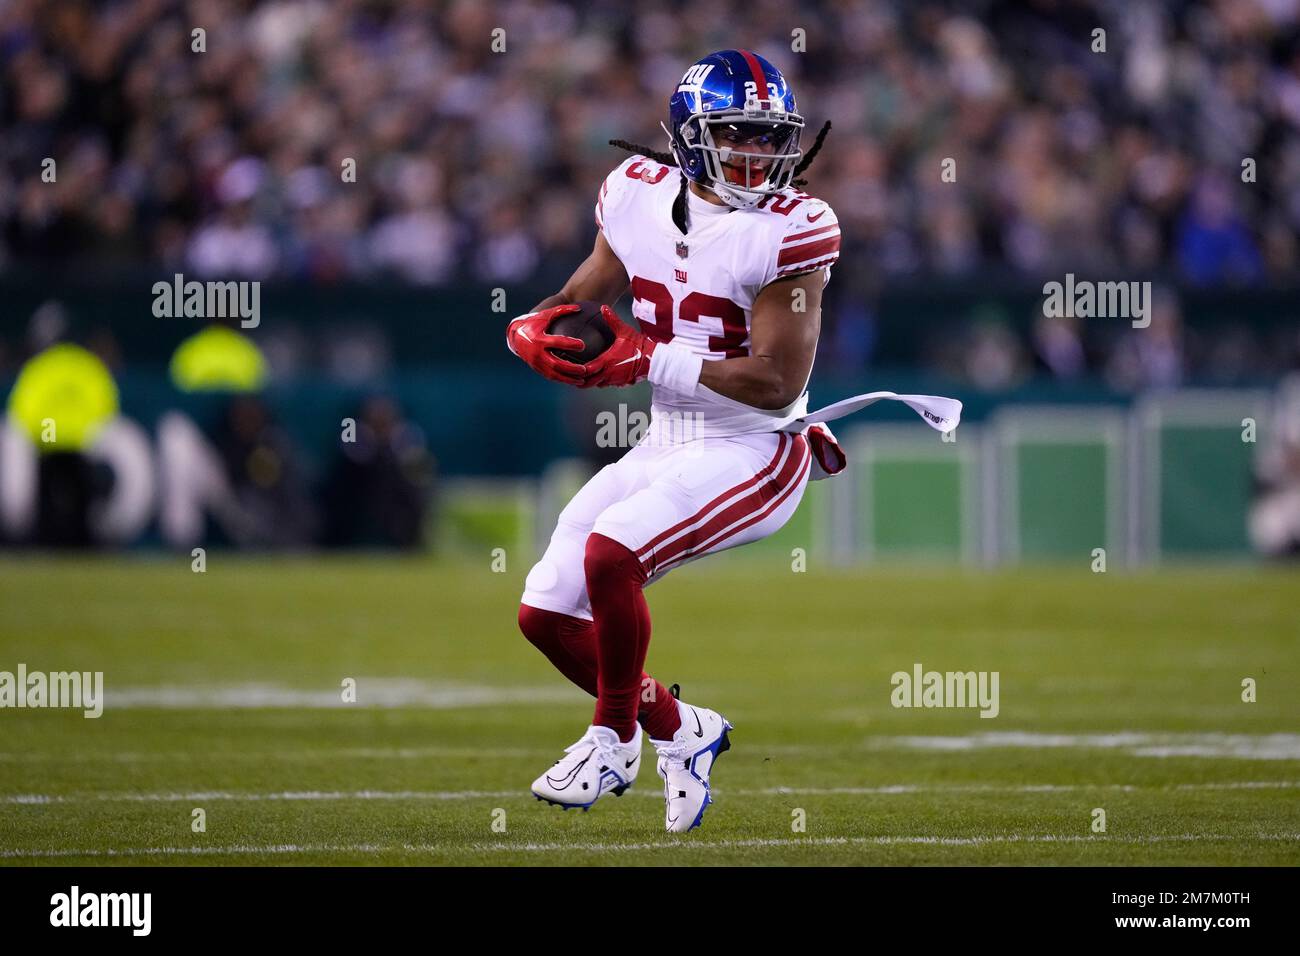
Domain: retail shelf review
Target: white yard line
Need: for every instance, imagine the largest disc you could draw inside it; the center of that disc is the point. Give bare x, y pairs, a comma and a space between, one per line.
885, 790
1242, 746
341, 753
677, 845
1018, 788
882, 841
286, 796
371, 692
1277, 746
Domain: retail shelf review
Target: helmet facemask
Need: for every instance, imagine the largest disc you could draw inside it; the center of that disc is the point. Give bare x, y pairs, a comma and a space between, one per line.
748, 154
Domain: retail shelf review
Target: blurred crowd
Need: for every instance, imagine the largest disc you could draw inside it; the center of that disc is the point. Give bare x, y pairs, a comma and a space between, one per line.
442, 143
472, 163
989, 351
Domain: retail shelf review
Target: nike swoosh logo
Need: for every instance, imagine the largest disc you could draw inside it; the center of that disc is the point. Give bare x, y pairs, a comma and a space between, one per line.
628, 765
568, 778
816, 217
699, 728
634, 358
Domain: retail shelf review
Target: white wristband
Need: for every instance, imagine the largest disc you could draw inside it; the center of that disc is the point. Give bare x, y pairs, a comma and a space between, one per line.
675, 367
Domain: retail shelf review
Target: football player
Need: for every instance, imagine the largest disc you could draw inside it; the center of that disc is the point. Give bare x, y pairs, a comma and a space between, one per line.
726, 259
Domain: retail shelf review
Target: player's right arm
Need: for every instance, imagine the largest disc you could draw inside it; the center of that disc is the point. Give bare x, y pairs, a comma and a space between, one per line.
600, 278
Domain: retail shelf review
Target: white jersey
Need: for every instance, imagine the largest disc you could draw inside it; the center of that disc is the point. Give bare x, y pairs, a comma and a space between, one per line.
698, 289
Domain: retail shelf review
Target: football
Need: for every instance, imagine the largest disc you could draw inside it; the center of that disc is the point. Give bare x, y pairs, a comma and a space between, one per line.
588, 325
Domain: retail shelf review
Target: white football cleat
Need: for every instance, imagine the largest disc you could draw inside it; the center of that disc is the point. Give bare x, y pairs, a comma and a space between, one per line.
597, 764
685, 763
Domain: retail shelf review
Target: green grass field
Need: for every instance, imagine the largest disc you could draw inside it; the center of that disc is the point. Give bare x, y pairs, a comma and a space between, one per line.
1117, 691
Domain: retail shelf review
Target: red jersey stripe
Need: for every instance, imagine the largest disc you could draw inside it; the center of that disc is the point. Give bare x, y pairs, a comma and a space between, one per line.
808, 266
810, 233
811, 250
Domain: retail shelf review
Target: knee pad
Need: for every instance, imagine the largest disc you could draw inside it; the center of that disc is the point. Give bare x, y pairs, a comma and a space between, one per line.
557, 582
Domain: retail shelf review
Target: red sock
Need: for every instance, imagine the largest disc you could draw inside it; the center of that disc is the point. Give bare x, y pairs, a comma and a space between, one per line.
570, 644
614, 581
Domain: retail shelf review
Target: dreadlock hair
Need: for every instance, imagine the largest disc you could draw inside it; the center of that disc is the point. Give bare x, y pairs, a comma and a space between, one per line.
666, 159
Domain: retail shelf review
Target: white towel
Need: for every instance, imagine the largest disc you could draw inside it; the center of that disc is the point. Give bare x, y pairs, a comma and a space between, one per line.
941, 414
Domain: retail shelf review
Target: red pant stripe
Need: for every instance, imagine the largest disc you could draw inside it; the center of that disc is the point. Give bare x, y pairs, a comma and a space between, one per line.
756, 505
663, 536
717, 538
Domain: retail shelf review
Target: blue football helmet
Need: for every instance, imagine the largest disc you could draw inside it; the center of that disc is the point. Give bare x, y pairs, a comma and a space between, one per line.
733, 127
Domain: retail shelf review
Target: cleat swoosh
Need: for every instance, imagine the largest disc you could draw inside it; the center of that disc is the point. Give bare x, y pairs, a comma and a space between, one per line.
562, 782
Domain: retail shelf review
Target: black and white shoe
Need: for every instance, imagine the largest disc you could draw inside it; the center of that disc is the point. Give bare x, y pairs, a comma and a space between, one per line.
597, 764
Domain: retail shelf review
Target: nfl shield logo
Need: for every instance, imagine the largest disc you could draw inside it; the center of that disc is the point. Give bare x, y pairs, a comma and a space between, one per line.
682, 250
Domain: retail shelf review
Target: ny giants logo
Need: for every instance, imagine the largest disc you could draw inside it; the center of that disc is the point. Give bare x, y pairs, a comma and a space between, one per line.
693, 81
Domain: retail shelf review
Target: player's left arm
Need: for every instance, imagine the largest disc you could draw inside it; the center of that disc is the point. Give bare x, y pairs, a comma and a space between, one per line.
783, 341
784, 326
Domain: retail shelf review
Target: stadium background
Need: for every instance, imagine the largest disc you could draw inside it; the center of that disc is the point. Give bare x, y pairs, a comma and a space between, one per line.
384, 299
477, 171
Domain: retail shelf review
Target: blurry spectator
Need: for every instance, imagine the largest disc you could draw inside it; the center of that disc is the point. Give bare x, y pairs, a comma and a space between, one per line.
1214, 244
265, 476
235, 244
417, 240
382, 487
1274, 523
62, 400
67, 482
992, 357
1057, 347
1152, 357
507, 252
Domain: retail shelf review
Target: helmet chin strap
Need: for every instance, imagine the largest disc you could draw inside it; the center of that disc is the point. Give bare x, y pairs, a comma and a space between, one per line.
734, 199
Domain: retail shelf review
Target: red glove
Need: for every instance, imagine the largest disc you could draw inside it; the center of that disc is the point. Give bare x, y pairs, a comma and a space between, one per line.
527, 337
828, 457
626, 361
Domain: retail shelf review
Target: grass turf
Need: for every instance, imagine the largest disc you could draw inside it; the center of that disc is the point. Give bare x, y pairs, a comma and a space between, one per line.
800, 662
